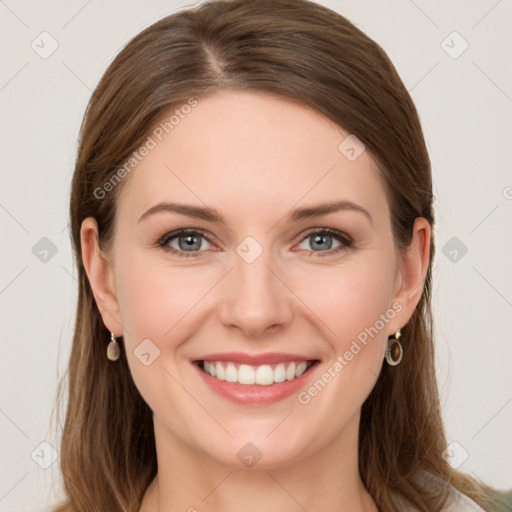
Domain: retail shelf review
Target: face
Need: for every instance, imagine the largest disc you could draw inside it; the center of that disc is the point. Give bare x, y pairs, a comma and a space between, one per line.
261, 282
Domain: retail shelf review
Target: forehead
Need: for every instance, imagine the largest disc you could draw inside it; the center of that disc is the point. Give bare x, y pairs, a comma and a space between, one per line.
249, 152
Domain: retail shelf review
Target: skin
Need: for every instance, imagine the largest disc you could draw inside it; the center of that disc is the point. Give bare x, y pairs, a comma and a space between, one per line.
254, 157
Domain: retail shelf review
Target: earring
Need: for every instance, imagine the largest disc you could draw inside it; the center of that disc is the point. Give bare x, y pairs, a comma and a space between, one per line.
113, 351
396, 358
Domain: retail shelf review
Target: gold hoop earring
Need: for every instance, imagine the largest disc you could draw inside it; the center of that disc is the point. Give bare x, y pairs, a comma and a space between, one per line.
113, 351
396, 346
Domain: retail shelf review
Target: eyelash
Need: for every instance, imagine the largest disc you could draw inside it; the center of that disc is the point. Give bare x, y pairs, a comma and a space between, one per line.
346, 241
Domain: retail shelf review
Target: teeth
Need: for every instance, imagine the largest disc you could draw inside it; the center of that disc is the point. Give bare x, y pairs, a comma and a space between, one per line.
290, 371
246, 374
264, 375
219, 370
231, 373
280, 373
301, 368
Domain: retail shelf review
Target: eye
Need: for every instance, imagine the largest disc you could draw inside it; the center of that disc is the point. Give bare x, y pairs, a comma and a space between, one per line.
190, 242
322, 239
184, 241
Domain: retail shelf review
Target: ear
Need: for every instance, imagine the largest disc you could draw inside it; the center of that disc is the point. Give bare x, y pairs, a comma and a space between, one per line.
413, 265
101, 276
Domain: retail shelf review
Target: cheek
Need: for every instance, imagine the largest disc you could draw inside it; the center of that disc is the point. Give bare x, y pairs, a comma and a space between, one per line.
153, 298
354, 306
349, 298
365, 298
157, 304
162, 306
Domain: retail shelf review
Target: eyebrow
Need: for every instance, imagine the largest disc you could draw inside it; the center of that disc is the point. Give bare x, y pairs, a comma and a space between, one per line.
212, 215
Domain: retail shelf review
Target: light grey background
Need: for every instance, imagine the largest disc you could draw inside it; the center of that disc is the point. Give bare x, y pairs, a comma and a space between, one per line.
465, 104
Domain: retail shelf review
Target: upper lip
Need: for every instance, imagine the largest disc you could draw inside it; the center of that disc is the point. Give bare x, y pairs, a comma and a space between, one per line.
253, 359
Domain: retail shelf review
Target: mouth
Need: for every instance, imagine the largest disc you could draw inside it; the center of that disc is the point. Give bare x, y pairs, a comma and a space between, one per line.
259, 375
255, 379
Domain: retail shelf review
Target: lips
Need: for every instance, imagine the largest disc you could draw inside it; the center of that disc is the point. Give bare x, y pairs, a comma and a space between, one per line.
259, 379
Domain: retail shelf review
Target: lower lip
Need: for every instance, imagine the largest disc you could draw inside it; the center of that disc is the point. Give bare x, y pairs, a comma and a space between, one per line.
256, 394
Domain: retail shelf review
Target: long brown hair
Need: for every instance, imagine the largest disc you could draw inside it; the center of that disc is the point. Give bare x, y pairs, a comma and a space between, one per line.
301, 52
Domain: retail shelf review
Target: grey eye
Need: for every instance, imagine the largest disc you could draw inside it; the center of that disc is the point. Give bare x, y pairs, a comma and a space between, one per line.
318, 242
187, 242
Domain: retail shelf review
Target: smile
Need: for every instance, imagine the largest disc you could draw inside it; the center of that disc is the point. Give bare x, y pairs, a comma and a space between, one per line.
256, 379
263, 375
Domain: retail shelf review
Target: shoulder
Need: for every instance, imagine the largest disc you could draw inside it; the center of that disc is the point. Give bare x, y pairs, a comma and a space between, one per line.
459, 502
456, 500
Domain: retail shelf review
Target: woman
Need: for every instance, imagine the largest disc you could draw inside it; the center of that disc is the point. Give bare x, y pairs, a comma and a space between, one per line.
251, 214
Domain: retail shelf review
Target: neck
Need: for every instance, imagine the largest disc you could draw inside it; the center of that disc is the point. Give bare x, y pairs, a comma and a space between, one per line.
188, 480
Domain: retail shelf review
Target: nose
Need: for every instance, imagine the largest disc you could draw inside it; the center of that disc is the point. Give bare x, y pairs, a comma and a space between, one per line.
254, 298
